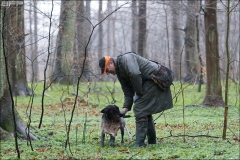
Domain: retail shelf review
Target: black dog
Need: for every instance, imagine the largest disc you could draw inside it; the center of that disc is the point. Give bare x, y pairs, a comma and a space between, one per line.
112, 121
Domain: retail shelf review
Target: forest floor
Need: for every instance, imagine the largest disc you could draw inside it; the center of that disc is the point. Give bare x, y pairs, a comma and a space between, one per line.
189, 131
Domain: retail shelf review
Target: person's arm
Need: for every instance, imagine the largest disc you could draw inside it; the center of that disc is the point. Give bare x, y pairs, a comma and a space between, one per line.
128, 94
131, 68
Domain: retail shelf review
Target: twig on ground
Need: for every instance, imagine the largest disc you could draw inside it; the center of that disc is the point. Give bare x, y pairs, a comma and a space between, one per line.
193, 136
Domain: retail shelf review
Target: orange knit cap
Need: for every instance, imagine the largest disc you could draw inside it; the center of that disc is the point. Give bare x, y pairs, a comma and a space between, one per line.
107, 59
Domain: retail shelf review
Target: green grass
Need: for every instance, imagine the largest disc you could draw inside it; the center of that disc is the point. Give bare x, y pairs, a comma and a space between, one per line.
203, 127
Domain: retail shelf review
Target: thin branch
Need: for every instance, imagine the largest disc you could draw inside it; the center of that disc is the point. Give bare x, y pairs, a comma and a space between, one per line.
181, 86
45, 69
134, 155
234, 7
186, 135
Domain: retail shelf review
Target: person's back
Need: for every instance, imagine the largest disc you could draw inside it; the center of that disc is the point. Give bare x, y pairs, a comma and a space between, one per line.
133, 60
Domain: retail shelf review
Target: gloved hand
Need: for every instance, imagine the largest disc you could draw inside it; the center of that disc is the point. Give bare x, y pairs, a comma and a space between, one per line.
123, 111
135, 98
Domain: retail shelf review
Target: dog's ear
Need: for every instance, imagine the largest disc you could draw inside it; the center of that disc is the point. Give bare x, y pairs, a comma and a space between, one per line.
116, 107
104, 110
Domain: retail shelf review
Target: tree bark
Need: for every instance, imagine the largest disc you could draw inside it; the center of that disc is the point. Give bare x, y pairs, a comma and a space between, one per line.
176, 44
80, 42
134, 26
213, 95
34, 55
9, 121
100, 30
6, 120
15, 49
142, 29
190, 64
227, 74
65, 43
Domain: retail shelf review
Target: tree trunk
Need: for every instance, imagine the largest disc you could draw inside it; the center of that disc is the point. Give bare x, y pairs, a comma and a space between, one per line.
114, 33
167, 32
87, 12
80, 42
5, 135
134, 26
142, 25
31, 40
15, 49
213, 95
34, 55
65, 41
225, 126
57, 72
100, 30
109, 31
7, 121
177, 48
190, 60
6, 106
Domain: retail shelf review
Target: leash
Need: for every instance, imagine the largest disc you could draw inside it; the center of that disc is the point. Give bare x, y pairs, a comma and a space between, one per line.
128, 132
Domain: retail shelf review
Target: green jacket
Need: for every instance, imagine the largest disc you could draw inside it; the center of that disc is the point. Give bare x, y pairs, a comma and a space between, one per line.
130, 69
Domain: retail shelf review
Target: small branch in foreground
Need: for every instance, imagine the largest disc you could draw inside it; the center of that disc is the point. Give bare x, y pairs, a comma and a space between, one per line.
134, 155
236, 137
194, 136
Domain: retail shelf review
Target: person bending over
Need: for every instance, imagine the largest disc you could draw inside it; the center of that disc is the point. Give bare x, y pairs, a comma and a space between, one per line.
133, 72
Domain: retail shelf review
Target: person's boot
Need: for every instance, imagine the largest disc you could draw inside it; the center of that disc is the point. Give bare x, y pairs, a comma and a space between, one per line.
151, 132
141, 132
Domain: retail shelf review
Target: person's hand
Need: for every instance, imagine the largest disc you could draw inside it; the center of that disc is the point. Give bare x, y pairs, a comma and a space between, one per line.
123, 111
135, 97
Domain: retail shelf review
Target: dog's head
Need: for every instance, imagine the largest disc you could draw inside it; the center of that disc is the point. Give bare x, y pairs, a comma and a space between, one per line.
112, 112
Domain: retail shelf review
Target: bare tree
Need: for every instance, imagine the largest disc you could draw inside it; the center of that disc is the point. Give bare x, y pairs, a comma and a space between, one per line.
80, 40
134, 26
100, 30
34, 55
88, 25
190, 56
64, 44
114, 33
213, 95
167, 34
15, 50
227, 74
177, 47
142, 28
87, 13
10, 120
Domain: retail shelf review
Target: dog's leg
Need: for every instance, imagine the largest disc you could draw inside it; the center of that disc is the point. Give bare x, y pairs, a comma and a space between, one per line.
102, 139
112, 140
122, 134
